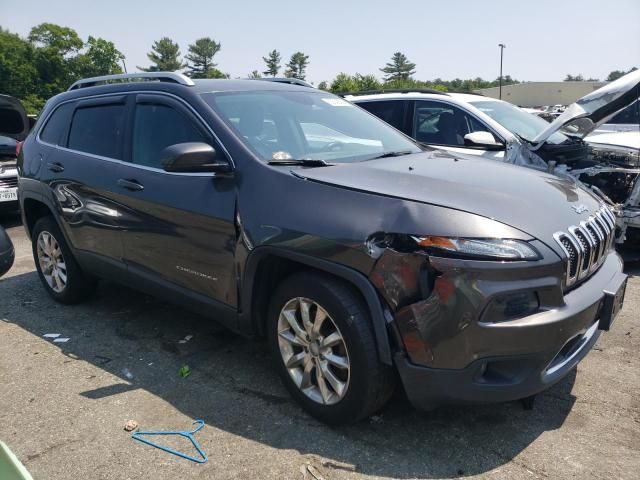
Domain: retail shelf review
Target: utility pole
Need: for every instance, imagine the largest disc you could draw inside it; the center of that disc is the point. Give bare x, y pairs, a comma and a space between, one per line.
124, 65
502, 47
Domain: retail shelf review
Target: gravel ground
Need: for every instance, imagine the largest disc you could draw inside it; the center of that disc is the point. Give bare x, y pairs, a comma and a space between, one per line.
63, 405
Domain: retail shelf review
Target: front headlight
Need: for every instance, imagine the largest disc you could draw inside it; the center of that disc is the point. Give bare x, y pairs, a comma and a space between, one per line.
478, 248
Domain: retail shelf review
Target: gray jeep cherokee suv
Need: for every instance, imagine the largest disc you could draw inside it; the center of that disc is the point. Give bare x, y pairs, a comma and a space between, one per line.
286, 212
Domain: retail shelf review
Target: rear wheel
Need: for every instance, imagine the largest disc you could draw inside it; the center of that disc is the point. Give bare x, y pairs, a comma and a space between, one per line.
325, 352
59, 272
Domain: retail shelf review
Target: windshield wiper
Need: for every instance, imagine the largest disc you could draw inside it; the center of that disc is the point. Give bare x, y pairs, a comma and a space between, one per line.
398, 153
305, 162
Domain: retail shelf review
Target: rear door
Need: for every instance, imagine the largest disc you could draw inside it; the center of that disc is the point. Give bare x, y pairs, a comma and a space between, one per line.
395, 112
81, 148
181, 231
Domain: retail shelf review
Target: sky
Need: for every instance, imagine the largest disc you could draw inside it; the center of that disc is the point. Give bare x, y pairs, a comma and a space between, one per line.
545, 39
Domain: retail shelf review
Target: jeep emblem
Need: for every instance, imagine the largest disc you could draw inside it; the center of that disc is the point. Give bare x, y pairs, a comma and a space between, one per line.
580, 208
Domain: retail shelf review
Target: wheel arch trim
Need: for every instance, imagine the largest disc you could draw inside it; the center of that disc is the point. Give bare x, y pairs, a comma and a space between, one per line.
353, 277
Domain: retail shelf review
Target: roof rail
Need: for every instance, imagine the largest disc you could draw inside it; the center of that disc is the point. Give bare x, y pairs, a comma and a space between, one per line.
171, 77
292, 81
394, 90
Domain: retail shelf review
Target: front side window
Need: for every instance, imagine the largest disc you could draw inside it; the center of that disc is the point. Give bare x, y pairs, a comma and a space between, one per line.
306, 125
523, 124
98, 130
157, 127
440, 123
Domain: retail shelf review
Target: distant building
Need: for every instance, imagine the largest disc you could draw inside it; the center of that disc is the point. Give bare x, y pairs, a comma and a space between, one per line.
536, 94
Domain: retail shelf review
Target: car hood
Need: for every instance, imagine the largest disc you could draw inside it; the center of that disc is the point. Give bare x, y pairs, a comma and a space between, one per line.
621, 139
594, 109
534, 202
13, 118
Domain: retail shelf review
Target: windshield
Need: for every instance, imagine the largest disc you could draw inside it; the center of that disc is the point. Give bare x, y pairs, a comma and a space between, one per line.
287, 125
516, 120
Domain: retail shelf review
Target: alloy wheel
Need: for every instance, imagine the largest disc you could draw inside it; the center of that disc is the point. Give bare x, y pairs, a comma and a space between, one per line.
313, 351
51, 260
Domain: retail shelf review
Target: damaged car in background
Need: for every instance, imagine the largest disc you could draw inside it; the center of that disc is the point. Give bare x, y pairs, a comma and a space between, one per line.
14, 128
477, 126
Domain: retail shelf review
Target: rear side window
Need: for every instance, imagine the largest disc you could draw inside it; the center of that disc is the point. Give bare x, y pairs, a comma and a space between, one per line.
98, 130
157, 127
391, 111
57, 124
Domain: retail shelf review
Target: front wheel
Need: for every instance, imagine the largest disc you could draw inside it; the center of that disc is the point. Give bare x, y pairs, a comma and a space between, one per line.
321, 338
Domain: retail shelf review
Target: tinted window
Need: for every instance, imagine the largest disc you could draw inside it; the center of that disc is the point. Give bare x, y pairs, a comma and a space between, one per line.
157, 127
391, 111
98, 130
57, 125
440, 123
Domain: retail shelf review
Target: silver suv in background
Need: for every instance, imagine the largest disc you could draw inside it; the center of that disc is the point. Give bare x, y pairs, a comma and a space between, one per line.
475, 126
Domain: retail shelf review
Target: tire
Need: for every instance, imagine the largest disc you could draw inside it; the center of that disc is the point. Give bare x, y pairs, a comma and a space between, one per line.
64, 280
367, 383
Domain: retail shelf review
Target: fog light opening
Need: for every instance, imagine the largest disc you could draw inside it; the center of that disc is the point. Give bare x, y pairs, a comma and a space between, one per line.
511, 306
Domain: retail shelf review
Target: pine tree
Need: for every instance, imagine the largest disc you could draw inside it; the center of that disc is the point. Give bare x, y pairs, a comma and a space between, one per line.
200, 59
272, 61
164, 55
297, 66
400, 68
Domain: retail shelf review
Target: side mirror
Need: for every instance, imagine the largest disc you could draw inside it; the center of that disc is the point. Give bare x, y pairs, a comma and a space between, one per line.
484, 140
193, 157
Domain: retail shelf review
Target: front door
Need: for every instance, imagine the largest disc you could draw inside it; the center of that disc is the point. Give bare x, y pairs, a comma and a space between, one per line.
181, 225
444, 126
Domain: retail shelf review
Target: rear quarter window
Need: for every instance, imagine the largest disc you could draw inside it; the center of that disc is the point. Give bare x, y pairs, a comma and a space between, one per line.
55, 129
98, 130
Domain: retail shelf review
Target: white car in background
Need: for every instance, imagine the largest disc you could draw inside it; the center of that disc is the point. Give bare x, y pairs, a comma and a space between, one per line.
478, 126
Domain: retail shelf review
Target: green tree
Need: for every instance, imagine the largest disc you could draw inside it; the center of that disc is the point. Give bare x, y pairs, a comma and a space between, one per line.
343, 83
616, 74
323, 85
18, 73
399, 68
200, 56
101, 58
63, 40
165, 56
272, 61
255, 74
297, 66
574, 78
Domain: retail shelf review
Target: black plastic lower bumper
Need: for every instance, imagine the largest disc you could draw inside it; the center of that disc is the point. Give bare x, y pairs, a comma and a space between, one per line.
491, 380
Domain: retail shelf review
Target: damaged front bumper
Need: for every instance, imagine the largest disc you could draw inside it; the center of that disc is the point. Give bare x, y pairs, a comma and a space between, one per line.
455, 350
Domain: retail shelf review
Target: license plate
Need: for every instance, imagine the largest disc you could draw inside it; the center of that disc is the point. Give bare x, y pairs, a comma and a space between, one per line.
8, 194
613, 300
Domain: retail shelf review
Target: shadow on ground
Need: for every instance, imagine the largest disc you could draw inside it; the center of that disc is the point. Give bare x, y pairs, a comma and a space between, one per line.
233, 387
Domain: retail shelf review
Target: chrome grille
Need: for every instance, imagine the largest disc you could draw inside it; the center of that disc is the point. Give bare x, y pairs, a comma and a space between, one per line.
586, 245
9, 182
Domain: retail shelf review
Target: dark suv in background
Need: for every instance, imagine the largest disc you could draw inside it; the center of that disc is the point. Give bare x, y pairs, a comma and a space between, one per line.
287, 212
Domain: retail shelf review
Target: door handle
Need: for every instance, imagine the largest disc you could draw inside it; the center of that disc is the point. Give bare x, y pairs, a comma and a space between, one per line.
55, 167
131, 185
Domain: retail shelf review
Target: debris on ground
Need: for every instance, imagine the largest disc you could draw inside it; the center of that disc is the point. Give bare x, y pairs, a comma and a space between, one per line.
185, 339
309, 472
127, 373
184, 371
130, 426
140, 436
376, 419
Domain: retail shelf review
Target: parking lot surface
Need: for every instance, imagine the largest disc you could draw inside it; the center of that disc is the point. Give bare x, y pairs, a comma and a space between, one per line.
63, 405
